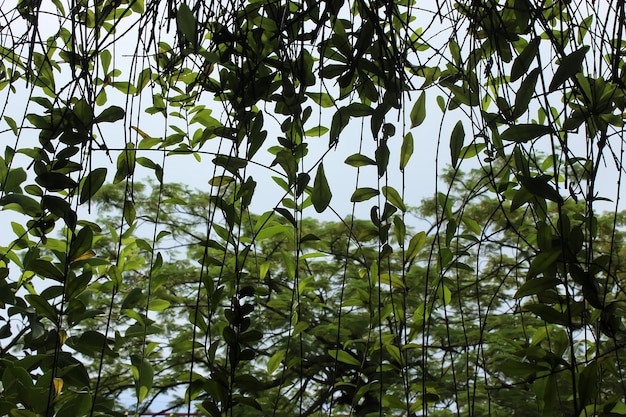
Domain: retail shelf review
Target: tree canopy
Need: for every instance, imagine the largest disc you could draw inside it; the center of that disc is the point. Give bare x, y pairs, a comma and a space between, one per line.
498, 294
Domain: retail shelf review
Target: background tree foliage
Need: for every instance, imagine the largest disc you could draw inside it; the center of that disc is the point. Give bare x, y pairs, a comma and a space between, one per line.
509, 302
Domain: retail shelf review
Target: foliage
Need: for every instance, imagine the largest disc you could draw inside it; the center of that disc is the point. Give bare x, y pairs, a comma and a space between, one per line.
515, 290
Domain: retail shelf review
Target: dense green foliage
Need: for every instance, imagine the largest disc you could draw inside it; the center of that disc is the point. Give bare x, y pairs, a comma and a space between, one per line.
500, 294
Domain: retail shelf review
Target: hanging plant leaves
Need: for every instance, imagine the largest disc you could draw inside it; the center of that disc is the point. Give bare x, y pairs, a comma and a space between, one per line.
321, 195
568, 67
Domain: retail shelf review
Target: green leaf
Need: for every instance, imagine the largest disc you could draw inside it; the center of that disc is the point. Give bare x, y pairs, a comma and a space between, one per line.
358, 110
536, 286
418, 113
22, 204
137, 6
541, 262
343, 356
406, 151
363, 194
588, 383
46, 269
81, 243
322, 99
143, 375
472, 150
382, 158
274, 362
11, 124
55, 181
359, 160
316, 131
187, 25
541, 187
321, 195
568, 67
525, 59
393, 197
548, 313
110, 114
444, 294
524, 132
221, 181
158, 305
42, 307
91, 184
516, 368
456, 142
415, 245
525, 93
339, 122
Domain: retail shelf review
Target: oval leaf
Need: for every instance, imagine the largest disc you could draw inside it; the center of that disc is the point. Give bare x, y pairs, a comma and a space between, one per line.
418, 113
524, 132
363, 194
321, 194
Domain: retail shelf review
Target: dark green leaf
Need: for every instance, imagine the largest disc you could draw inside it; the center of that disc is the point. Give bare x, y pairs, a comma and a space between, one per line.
525, 59
22, 204
382, 158
525, 93
81, 243
456, 142
111, 114
588, 383
541, 187
321, 195
524, 132
46, 269
91, 184
55, 181
358, 110
548, 314
568, 67
144, 376
339, 122
41, 306
187, 24
536, 286
516, 368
